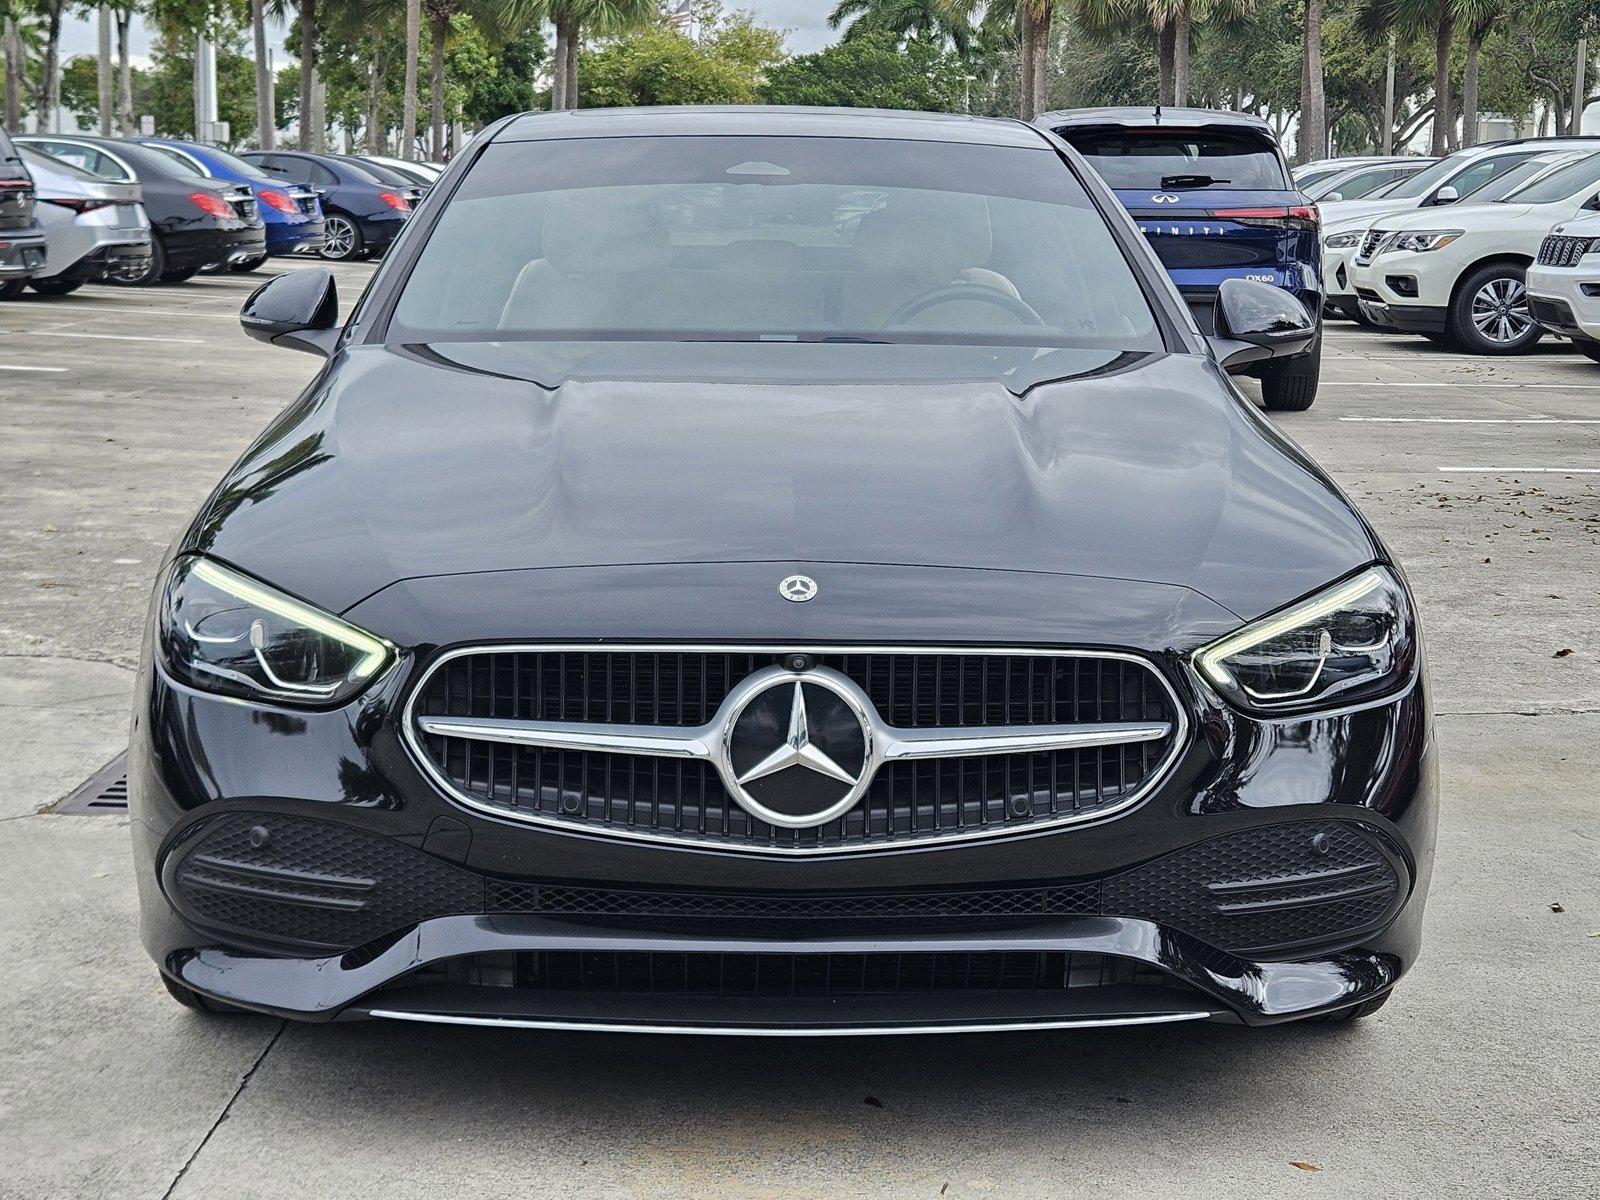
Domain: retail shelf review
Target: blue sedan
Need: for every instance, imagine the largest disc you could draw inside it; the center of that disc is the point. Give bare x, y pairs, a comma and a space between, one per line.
292, 211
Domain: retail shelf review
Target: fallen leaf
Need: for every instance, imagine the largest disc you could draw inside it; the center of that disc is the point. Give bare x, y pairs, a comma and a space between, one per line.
1558, 907
874, 1101
945, 1188
1563, 652
1304, 1166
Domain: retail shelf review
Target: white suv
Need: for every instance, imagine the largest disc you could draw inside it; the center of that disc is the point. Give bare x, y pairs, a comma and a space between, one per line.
1564, 283
1457, 275
1342, 237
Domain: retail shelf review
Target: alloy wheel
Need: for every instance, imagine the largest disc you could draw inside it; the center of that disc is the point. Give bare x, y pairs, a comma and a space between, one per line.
339, 238
1500, 311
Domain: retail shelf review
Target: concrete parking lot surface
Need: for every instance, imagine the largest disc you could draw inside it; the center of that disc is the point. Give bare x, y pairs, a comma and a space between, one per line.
119, 409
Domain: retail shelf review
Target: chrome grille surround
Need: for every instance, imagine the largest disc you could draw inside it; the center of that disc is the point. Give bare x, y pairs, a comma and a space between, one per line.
897, 748
1369, 245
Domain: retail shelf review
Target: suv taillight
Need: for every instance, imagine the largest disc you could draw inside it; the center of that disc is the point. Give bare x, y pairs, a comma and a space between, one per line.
1300, 216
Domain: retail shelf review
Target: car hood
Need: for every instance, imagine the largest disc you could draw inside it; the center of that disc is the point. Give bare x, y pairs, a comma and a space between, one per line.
449, 459
1481, 218
1337, 212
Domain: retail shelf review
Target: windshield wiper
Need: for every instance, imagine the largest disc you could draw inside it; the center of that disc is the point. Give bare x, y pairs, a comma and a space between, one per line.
1188, 181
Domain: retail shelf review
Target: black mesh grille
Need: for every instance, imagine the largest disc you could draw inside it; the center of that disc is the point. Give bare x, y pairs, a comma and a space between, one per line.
314, 883
790, 976
1559, 251
1552, 312
687, 798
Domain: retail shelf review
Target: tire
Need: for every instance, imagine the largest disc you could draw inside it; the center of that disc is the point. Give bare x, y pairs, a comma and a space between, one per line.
1291, 386
1489, 312
12, 288
151, 275
180, 276
248, 265
1355, 1012
190, 998
1590, 350
344, 242
55, 287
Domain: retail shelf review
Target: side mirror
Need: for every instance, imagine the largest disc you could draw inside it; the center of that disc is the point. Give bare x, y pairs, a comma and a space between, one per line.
298, 310
1446, 195
1257, 321
1330, 197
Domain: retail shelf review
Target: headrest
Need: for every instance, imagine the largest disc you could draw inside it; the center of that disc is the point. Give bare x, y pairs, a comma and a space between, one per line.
593, 231
932, 234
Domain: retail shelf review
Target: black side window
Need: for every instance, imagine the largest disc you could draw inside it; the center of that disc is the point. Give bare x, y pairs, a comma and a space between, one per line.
319, 174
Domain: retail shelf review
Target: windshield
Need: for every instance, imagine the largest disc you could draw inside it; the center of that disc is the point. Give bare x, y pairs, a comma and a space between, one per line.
1181, 159
774, 239
1520, 175
1561, 184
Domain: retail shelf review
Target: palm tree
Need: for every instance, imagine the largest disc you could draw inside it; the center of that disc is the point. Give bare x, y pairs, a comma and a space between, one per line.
48, 98
308, 75
266, 119
947, 22
1311, 142
11, 18
122, 17
572, 18
1417, 18
408, 110
1479, 17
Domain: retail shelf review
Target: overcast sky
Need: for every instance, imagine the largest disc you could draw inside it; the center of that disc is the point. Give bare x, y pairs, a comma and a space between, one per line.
806, 21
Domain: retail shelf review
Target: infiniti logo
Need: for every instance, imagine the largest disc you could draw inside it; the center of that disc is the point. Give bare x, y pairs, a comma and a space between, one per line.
1163, 198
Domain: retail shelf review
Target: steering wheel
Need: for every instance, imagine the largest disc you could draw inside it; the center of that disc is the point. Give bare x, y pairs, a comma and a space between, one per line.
949, 292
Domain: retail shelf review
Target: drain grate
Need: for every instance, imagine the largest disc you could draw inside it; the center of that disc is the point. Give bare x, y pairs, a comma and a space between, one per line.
103, 793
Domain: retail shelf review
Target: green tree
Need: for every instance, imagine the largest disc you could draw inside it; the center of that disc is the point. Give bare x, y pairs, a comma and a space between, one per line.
572, 19
663, 66
871, 73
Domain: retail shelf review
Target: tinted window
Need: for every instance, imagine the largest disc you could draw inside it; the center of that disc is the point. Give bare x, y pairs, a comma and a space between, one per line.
1358, 183
383, 174
175, 156
1503, 184
780, 239
8, 152
85, 158
1572, 180
1158, 158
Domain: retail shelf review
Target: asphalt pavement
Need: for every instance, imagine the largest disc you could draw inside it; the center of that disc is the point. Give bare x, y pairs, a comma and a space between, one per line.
119, 408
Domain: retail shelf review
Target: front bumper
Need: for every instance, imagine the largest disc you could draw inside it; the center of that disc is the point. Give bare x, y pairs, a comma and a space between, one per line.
1566, 300
1101, 923
22, 255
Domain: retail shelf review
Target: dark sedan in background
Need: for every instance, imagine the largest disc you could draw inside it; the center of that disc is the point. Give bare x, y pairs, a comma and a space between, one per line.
22, 241
197, 222
780, 572
362, 216
290, 212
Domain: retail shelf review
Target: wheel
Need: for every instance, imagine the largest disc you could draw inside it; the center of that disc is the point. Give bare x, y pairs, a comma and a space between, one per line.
189, 998
55, 287
148, 277
248, 265
183, 276
342, 239
1489, 313
12, 288
1589, 349
1355, 1012
1291, 386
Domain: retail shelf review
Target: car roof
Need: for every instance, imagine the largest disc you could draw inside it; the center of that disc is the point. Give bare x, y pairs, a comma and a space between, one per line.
770, 121
1150, 117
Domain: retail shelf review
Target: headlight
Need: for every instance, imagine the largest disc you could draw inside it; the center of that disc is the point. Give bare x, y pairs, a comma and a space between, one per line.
224, 632
1342, 241
1420, 239
1354, 641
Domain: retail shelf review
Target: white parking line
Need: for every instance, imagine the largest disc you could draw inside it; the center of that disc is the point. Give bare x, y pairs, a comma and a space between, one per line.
77, 311
106, 337
1520, 470
1463, 383
52, 370
1476, 420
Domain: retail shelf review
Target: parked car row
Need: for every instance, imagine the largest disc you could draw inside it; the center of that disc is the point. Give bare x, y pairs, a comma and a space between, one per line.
77, 209
1477, 251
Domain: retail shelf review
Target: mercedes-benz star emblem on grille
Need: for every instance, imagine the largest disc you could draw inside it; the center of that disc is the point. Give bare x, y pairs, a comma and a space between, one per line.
799, 751
1163, 198
798, 588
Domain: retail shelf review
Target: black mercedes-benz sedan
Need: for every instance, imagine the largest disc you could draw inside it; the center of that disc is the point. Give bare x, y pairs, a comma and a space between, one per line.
782, 572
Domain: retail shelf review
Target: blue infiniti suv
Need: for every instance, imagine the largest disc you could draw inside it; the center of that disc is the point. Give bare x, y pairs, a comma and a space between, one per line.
1213, 195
